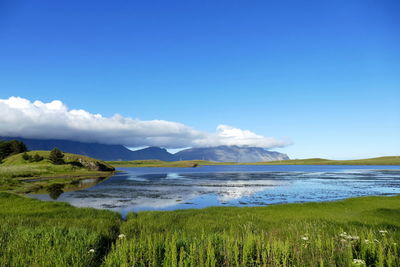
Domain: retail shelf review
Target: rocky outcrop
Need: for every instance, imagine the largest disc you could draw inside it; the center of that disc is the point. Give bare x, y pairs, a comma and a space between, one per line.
95, 165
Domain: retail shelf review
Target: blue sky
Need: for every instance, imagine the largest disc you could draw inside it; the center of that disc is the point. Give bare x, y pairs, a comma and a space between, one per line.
325, 75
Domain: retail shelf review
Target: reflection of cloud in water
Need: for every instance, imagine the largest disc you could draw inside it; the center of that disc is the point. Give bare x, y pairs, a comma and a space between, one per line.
175, 176
117, 202
162, 196
239, 189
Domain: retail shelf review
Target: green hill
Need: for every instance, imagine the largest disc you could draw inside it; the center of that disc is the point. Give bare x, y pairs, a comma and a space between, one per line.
22, 175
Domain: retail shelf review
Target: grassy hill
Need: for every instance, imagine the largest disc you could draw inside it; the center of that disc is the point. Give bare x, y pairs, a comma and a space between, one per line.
390, 160
20, 175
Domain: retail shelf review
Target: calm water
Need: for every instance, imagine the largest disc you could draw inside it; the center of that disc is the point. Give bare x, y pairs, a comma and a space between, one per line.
136, 189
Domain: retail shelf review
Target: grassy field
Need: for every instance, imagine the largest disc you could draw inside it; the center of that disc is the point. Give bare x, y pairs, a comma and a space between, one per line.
15, 171
354, 232
391, 160
36, 233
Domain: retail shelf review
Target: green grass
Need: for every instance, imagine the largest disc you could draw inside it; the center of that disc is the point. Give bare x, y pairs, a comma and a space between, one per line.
391, 160
312, 234
15, 170
36, 233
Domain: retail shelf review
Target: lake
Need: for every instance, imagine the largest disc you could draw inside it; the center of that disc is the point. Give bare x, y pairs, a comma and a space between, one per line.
137, 189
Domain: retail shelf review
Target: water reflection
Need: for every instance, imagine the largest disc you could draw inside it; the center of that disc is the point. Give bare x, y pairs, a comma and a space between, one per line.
138, 189
54, 191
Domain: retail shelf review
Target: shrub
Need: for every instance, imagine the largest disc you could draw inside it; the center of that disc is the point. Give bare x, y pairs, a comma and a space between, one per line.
37, 158
12, 147
56, 156
25, 156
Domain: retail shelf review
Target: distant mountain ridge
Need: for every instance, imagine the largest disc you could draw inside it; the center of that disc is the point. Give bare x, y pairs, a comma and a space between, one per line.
96, 150
119, 152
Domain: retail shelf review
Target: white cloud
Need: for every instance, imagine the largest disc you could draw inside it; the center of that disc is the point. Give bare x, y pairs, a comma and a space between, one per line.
23, 118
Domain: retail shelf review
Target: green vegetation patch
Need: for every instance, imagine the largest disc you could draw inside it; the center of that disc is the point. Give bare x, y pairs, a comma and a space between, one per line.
36, 233
392, 160
32, 171
354, 232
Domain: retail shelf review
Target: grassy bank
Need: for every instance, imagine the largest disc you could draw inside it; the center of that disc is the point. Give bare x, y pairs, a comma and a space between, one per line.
36, 233
354, 232
392, 160
23, 176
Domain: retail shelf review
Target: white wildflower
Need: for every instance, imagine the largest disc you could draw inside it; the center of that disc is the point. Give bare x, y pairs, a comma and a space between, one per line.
121, 236
344, 234
349, 237
91, 250
358, 262
383, 232
305, 238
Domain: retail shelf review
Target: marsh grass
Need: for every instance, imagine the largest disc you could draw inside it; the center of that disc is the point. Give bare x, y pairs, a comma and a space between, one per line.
36, 233
354, 232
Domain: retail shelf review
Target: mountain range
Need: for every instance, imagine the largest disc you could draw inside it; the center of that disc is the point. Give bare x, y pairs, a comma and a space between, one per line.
230, 154
120, 152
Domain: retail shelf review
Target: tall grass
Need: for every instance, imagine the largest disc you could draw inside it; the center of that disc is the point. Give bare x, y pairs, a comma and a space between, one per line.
355, 232
36, 233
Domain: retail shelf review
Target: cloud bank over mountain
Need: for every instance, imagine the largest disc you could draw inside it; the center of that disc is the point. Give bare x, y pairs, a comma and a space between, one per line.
54, 120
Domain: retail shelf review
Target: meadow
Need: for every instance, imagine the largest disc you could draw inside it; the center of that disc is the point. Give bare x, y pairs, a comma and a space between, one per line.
353, 232
36, 233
